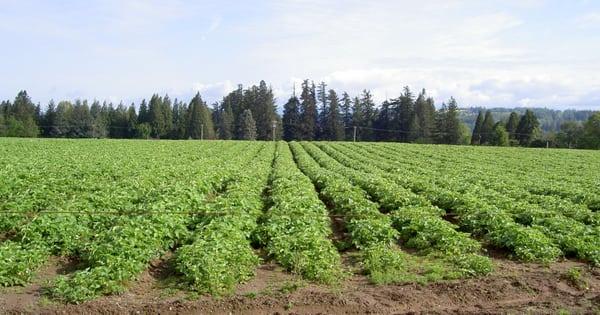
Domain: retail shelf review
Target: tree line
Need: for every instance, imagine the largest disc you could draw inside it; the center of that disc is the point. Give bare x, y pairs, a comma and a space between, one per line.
316, 113
525, 130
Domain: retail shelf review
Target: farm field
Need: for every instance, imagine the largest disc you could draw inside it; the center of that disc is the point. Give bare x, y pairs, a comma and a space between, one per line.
120, 226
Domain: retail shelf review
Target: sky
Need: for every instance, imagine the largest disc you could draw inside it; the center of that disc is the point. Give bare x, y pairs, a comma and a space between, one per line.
490, 53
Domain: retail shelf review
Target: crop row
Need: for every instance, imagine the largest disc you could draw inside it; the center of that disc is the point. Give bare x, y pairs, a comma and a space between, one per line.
220, 255
47, 232
296, 228
119, 254
485, 174
573, 237
474, 214
420, 224
370, 231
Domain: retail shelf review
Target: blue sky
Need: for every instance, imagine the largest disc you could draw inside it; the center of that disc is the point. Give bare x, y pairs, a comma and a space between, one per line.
485, 53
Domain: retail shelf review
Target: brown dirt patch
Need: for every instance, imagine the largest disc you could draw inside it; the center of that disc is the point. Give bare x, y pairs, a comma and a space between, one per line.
512, 288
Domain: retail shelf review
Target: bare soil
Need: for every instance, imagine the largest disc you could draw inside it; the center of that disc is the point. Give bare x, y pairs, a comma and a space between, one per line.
512, 288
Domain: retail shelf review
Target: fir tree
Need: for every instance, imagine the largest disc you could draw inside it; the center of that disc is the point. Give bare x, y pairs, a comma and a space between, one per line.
346, 109
487, 128
405, 115
143, 116
591, 132
226, 122
448, 124
528, 128
476, 137
291, 119
333, 129
425, 118
247, 127
358, 118
131, 122
99, 121
500, 135
512, 125
383, 123
308, 112
199, 122
369, 115
323, 132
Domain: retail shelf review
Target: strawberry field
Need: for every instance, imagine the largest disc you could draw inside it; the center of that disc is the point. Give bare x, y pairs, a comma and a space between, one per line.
214, 212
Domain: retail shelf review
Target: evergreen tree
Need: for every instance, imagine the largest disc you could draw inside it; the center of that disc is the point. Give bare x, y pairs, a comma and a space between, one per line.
448, 125
199, 122
247, 126
167, 116
22, 117
332, 128
156, 118
512, 125
80, 121
2, 123
528, 128
264, 112
226, 122
322, 129
346, 108
591, 132
369, 115
487, 128
62, 118
100, 120
476, 137
291, 119
143, 115
179, 124
500, 135
358, 118
404, 109
308, 112
425, 118
131, 122
383, 123
49, 120
119, 121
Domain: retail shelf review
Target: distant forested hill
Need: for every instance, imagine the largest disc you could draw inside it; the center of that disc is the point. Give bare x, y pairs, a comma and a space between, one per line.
550, 119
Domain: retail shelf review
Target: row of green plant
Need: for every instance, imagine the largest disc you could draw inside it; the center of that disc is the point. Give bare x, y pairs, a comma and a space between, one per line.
474, 215
420, 224
120, 253
296, 229
572, 236
484, 173
220, 254
539, 172
370, 231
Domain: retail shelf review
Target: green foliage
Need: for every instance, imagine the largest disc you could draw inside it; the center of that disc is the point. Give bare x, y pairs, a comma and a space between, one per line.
528, 128
296, 228
487, 128
500, 136
220, 255
591, 132
442, 202
247, 127
218, 260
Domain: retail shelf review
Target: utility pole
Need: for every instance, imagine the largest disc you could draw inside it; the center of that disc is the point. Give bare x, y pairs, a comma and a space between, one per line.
201, 131
274, 126
354, 133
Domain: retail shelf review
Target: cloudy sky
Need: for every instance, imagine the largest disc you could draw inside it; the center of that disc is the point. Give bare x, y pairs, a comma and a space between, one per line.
483, 52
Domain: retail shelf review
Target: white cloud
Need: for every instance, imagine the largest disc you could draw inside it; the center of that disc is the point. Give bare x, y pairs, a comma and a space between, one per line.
589, 20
